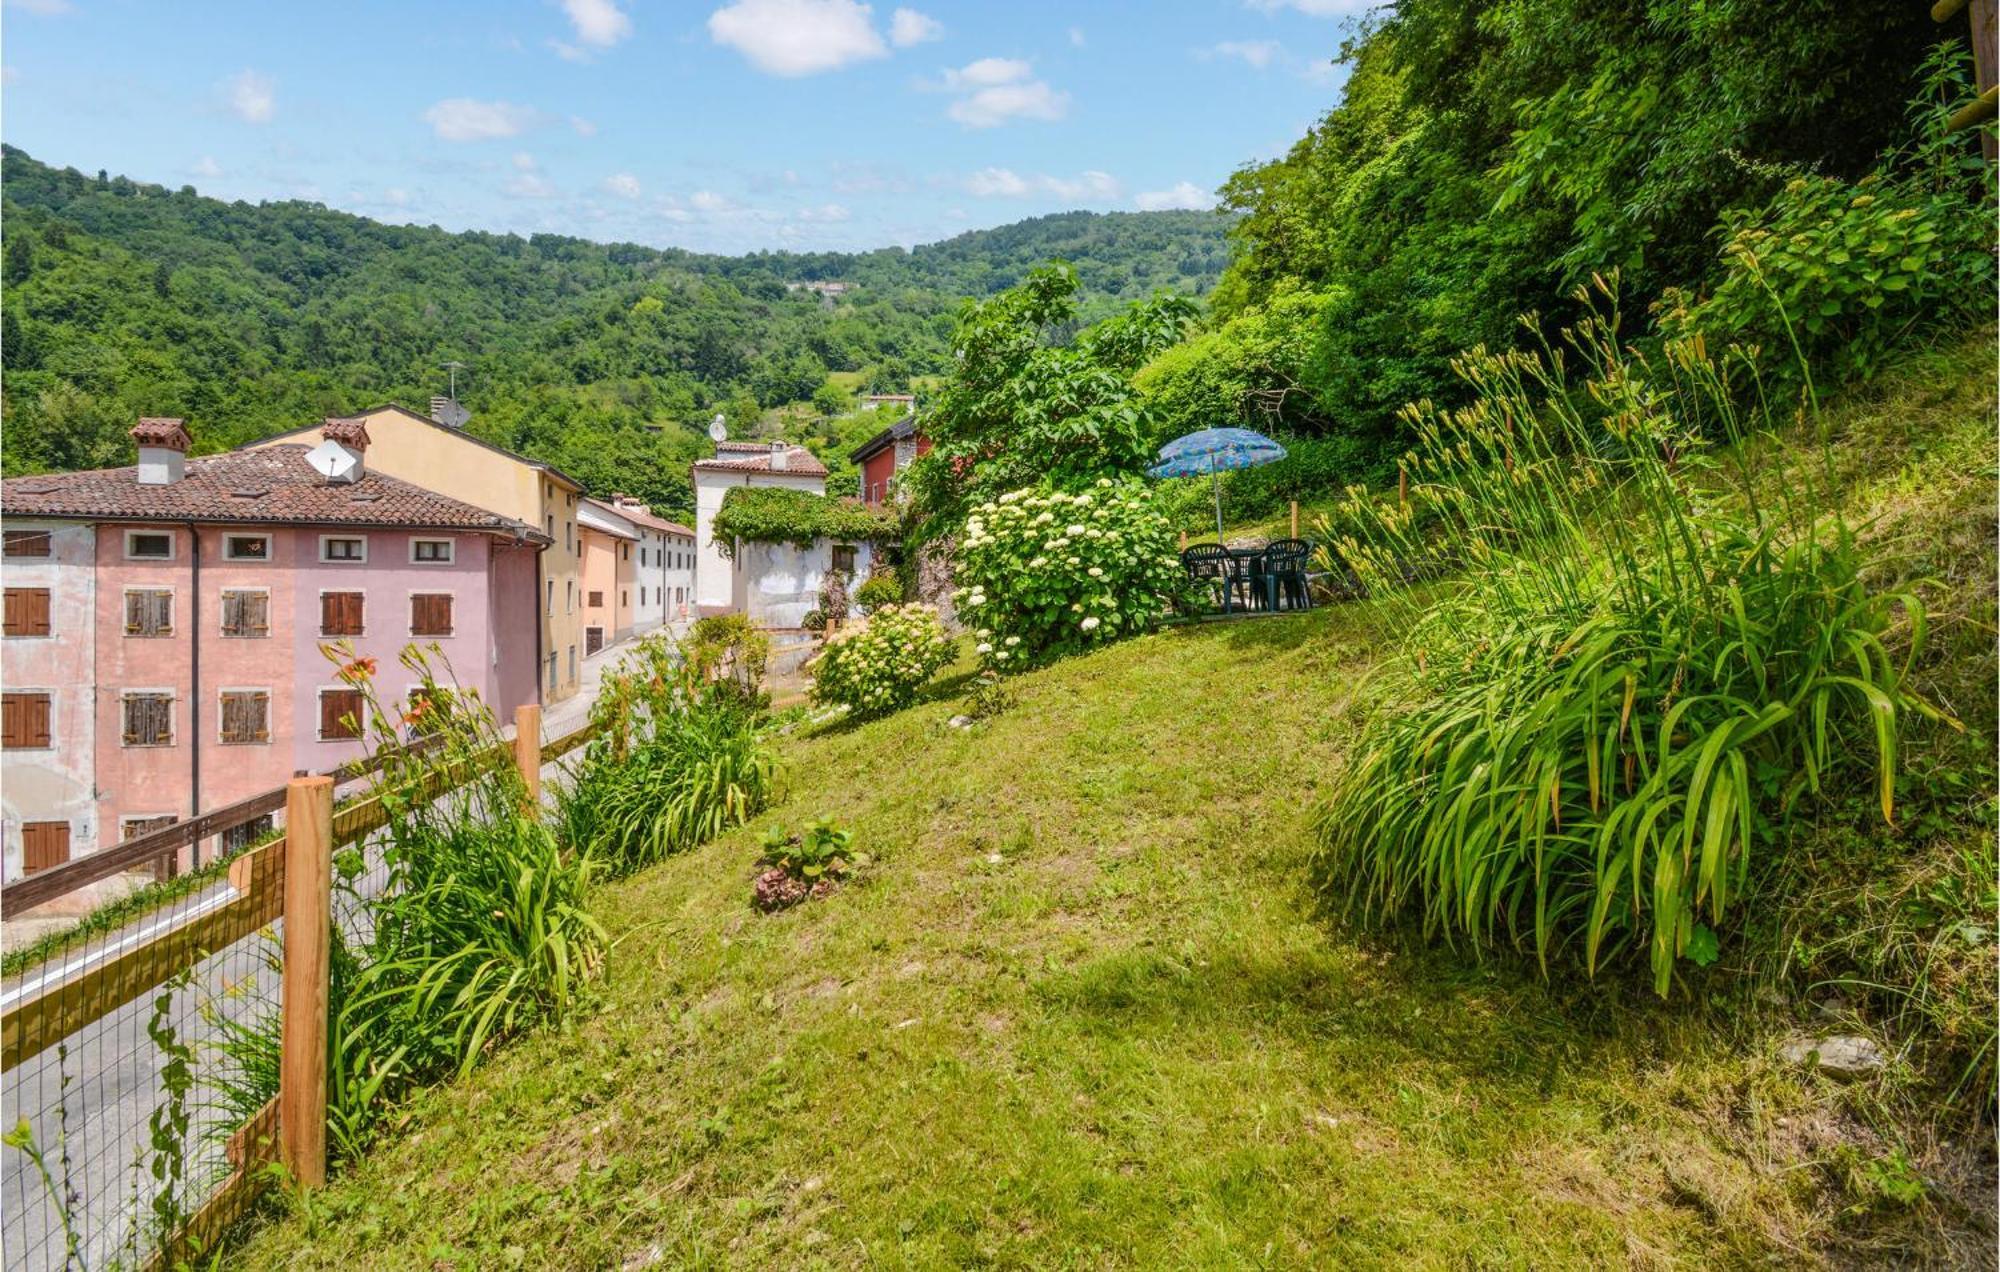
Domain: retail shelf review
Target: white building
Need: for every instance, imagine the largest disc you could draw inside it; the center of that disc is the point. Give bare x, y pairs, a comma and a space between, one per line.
774, 583
665, 574
50, 792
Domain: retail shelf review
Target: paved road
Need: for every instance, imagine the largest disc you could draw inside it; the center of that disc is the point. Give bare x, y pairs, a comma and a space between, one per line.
107, 1087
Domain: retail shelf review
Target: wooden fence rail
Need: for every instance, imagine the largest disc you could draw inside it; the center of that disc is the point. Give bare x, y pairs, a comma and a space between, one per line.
289, 877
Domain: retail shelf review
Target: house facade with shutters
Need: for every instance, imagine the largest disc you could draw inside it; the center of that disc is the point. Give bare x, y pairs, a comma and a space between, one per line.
202, 594
610, 575
665, 557
458, 464
48, 793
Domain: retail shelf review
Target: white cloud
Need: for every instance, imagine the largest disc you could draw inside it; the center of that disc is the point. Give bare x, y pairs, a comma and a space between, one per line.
583, 127
206, 166
909, 27
987, 72
710, 201
995, 90
1185, 194
1256, 53
463, 119
991, 107
1005, 183
598, 23
622, 184
824, 212
798, 37
528, 181
253, 96
1076, 37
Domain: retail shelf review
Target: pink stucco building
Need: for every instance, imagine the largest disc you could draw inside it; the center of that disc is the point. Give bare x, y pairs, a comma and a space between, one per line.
182, 666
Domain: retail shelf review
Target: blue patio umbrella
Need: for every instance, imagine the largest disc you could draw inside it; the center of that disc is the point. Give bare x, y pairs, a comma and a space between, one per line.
1212, 451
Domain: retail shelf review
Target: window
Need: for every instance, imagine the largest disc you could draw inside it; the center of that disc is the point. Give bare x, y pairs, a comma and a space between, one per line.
431, 551
149, 545
341, 613
133, 827
43, 844
339, 714
249, 834
624, 597
569, 532
552, 673
246, 613
149, 719
551, 608
596, 598
430, 614
246, 547
552, 527
569, 596
246, 716
430, 707
24, 721
627, 554
27, 543
843, 558
149, 612
572, 662
27, 611
342, 548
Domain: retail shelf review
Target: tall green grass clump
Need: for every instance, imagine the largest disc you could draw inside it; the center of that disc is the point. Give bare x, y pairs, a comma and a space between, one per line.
1631, 665
680, 757
461, 924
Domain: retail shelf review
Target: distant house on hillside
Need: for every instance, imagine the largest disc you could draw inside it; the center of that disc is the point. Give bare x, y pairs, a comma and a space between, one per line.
886, 454
830, 290
776, 584
899, 401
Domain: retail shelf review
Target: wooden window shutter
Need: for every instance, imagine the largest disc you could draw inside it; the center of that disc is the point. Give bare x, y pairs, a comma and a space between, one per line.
246, 717
43, 844
24, 720
340, 614
257, 613
27, 611
430, 615
149, 613
334, 706
232, 613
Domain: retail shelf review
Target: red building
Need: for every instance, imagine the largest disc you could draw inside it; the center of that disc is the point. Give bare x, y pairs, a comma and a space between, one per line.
885, 455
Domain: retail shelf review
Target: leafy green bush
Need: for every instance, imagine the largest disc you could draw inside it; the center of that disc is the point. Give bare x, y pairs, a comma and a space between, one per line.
675, 764
479, 928
725, 654
1044, 572
777, 514
878, 667
1313, 469
877, 591
1843, 273
1634, 679
823, 851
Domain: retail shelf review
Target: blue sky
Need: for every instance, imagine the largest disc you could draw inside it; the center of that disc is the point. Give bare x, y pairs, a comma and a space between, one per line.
724, 125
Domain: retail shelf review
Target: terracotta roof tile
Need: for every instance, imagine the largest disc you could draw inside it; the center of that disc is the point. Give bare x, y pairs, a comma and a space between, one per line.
271, 486
642, 515
162, 431
801, 463
352, 432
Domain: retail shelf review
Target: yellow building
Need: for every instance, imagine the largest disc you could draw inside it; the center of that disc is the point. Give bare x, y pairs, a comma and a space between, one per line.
452, 462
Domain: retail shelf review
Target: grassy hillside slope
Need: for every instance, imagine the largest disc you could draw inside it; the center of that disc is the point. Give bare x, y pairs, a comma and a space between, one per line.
1079, 1010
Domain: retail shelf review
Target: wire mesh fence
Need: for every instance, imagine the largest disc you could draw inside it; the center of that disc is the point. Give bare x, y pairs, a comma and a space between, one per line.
120, 1123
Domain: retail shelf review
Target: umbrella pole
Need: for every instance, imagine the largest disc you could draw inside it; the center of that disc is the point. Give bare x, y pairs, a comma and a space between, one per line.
1215, 480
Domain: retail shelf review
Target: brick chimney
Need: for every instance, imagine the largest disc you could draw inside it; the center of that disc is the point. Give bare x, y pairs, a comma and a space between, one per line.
163, 446
351, 435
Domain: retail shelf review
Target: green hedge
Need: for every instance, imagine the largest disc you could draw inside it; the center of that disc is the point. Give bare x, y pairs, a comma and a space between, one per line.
772, 514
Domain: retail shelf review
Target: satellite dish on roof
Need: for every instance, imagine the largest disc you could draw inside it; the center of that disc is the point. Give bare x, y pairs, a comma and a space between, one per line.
718, 429
334, 462
449, 412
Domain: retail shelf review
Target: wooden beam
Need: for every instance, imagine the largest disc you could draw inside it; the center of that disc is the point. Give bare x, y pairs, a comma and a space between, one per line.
1978, 111
308, 966
65, 1005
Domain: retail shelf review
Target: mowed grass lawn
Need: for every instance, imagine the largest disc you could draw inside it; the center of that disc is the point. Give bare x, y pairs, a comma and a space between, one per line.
1079, 1009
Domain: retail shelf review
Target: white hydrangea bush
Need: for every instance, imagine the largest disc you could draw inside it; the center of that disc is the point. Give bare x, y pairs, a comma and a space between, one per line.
878, 667
1043, 573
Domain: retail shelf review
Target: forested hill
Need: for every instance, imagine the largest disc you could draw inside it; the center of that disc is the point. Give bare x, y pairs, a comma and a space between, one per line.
124, 299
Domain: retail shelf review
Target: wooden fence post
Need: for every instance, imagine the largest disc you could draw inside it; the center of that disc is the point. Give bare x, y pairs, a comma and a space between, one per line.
308, 965
528, 752
1295, 518
1183, 540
